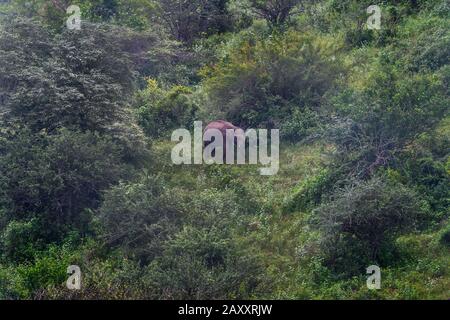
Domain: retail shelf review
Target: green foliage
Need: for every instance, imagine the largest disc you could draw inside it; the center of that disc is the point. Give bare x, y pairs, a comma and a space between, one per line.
139, 217
48, 268
78, 80
136, 14
203, 264
368, 134
361, 222
300, 125
424, 43
161, 111
350, 17
198, 260
431, 180
65, 139
364, 161
263, 81
276, 12
188, 20
309, 193
18, 240
61, 175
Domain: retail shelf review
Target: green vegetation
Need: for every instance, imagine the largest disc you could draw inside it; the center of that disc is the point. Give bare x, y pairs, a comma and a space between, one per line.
85, 171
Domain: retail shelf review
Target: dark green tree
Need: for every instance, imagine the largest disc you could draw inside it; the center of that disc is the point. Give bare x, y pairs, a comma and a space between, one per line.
190, 19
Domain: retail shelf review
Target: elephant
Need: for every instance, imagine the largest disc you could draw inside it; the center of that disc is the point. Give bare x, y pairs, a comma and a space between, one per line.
223, 126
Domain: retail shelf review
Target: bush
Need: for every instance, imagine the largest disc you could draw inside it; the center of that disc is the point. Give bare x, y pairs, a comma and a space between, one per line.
139, 217
188, 20
182, 241
309, 193
431, 180
300, 125
361, 222
424, 44
55, 179
46, 80
18, 240
160, 111
275, 12
367, 133
203, 264
261, 81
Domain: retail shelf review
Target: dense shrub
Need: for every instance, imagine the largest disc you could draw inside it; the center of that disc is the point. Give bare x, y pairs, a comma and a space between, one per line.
78, 80
276, 12
53, 179
375, 124
424, 45
431, 180
361, 221
18, 240
160, 111
260, 82
188, 20
309, 193
139, 217
203, 264
301, 124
